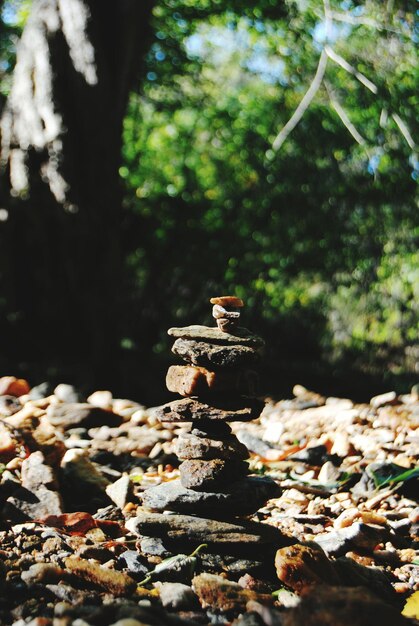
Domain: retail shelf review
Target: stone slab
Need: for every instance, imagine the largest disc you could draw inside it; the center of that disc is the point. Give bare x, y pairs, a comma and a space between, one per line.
241, 498
242, 409
197, 530
241, 337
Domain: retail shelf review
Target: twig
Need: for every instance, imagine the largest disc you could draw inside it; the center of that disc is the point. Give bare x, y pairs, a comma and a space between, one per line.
402, 126
304, 104
352, 70
344, 117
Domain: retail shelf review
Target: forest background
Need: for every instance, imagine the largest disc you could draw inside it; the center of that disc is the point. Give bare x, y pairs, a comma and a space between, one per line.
155, 154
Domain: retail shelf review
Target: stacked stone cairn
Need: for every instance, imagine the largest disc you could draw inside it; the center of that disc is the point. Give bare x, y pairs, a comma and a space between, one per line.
218, 386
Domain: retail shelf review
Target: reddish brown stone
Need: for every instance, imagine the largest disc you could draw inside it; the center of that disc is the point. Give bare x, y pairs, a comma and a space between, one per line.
189, 380
228, 301
301, 566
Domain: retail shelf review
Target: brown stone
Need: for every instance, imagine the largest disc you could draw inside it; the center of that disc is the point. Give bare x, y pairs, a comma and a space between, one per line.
227, 325
226, 409
342, 606
190, 380
210, 475
115, 582
213, 355
228, 301
189, 446
224, 595
12, 386
301, 566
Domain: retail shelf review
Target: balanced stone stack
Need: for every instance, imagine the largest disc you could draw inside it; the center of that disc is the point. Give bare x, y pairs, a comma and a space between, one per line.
218, 386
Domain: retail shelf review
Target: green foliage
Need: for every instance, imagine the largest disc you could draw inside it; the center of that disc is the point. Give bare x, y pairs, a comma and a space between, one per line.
321, 237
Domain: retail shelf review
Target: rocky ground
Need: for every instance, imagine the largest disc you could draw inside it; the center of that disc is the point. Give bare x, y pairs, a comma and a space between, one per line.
78, 547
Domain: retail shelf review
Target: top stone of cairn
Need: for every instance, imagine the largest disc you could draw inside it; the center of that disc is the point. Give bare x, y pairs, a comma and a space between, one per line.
228, 301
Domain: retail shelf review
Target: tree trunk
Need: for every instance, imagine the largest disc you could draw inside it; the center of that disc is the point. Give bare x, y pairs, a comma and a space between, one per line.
62, 147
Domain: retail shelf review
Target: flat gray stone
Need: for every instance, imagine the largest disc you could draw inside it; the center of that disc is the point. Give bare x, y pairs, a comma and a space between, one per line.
189, 446
241, 498
75, 414
242, 409
121, 491
213, 355
241, 336
189, 529
358, 536
211, 475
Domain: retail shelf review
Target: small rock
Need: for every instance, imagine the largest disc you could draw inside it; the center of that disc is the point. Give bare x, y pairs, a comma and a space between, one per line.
83, 485
115, 582
224, 595
153, 546
121, 491
12, 386
176, 596
41, 391
383, 399
42, 573
342, 606
67, 393
227, 325
219, 312
132, 562
101, 399
300, 566
359, 535
71, 415
9, 405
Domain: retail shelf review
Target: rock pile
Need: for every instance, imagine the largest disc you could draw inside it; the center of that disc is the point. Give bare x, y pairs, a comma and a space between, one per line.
218, 387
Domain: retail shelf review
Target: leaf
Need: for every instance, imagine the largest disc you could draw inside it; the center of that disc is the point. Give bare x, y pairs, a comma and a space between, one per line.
411, 608
391, 473
175, 563
77, 524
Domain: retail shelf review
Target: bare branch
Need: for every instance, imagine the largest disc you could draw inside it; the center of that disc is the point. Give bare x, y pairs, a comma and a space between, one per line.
344, 117
402, 126
351, 69
304, 104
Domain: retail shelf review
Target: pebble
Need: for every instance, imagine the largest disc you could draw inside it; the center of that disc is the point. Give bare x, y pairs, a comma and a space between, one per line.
213, 355
9, 405
219, 312
133, 563
12, 386
357, 536
224, 595
301, 566
228, 409
73, 414
383, 399
121, 491
42, 573
67, 393
342, 606
227, 325
176, 596
41, 391
110, 580
101, 399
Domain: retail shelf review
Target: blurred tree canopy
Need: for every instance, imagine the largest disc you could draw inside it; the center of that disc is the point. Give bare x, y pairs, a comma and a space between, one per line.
269, 151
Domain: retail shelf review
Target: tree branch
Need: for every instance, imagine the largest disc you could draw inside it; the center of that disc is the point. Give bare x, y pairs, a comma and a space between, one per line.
351, 69
304, 104
344, 117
